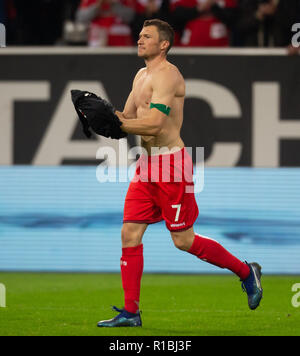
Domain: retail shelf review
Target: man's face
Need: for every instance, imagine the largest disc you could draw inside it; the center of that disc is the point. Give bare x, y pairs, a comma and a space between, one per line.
149, 44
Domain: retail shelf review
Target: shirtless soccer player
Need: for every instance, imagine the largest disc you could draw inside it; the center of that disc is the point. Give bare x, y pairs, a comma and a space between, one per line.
154, 110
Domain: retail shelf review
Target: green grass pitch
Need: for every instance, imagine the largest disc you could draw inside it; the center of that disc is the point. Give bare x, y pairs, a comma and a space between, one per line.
172, 305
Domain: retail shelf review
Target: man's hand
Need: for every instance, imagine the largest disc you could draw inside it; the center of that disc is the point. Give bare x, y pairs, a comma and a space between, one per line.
120, 115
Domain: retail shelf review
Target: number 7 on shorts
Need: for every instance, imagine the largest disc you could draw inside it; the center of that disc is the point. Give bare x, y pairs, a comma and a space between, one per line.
178, 207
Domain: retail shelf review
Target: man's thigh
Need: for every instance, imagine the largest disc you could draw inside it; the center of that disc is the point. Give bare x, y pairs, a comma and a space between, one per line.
140, 206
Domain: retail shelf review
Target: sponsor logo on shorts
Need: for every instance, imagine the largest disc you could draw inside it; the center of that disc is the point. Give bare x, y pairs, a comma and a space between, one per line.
177, 225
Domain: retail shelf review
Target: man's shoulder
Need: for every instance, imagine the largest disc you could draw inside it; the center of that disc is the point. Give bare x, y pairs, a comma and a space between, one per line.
138, 74
168, 72
140, 71
169, 67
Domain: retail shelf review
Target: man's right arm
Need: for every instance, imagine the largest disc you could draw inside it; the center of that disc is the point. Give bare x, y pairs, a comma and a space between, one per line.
129, 111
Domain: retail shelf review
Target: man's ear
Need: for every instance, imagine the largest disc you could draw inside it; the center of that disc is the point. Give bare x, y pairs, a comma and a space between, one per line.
164, 44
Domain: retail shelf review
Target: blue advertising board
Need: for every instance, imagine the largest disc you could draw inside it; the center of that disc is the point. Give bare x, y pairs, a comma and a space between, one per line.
63, 219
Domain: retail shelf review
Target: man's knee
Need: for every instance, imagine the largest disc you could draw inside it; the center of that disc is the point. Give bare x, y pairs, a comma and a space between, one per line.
183, 240
132, 234
180, 244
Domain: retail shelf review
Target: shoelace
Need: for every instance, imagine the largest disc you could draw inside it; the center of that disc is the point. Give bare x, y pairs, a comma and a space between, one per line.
113, 307
243, 284
243, 287
117, 309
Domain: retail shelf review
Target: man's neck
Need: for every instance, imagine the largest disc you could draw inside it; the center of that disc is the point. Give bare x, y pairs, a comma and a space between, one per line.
153, 63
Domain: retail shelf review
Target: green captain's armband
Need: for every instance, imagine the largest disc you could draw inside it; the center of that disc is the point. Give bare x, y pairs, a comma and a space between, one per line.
161, 107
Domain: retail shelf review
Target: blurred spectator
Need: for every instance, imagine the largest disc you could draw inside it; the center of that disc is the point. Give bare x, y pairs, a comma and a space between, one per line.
254, 23
2, 11
218, 23
108, 21
204, 23
74, 33
71, 7
146, 10
287, 14
8, 18
39, 22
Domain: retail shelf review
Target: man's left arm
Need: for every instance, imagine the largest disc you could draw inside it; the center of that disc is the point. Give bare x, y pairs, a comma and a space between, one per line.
164, 87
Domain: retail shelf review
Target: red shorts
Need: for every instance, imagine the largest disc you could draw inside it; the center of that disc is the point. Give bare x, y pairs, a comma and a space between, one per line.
163, 189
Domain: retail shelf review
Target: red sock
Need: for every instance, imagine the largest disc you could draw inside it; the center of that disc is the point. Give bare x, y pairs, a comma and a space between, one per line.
212, 252
132, 263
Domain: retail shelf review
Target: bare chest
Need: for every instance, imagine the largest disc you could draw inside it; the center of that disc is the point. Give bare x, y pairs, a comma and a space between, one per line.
142, 92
